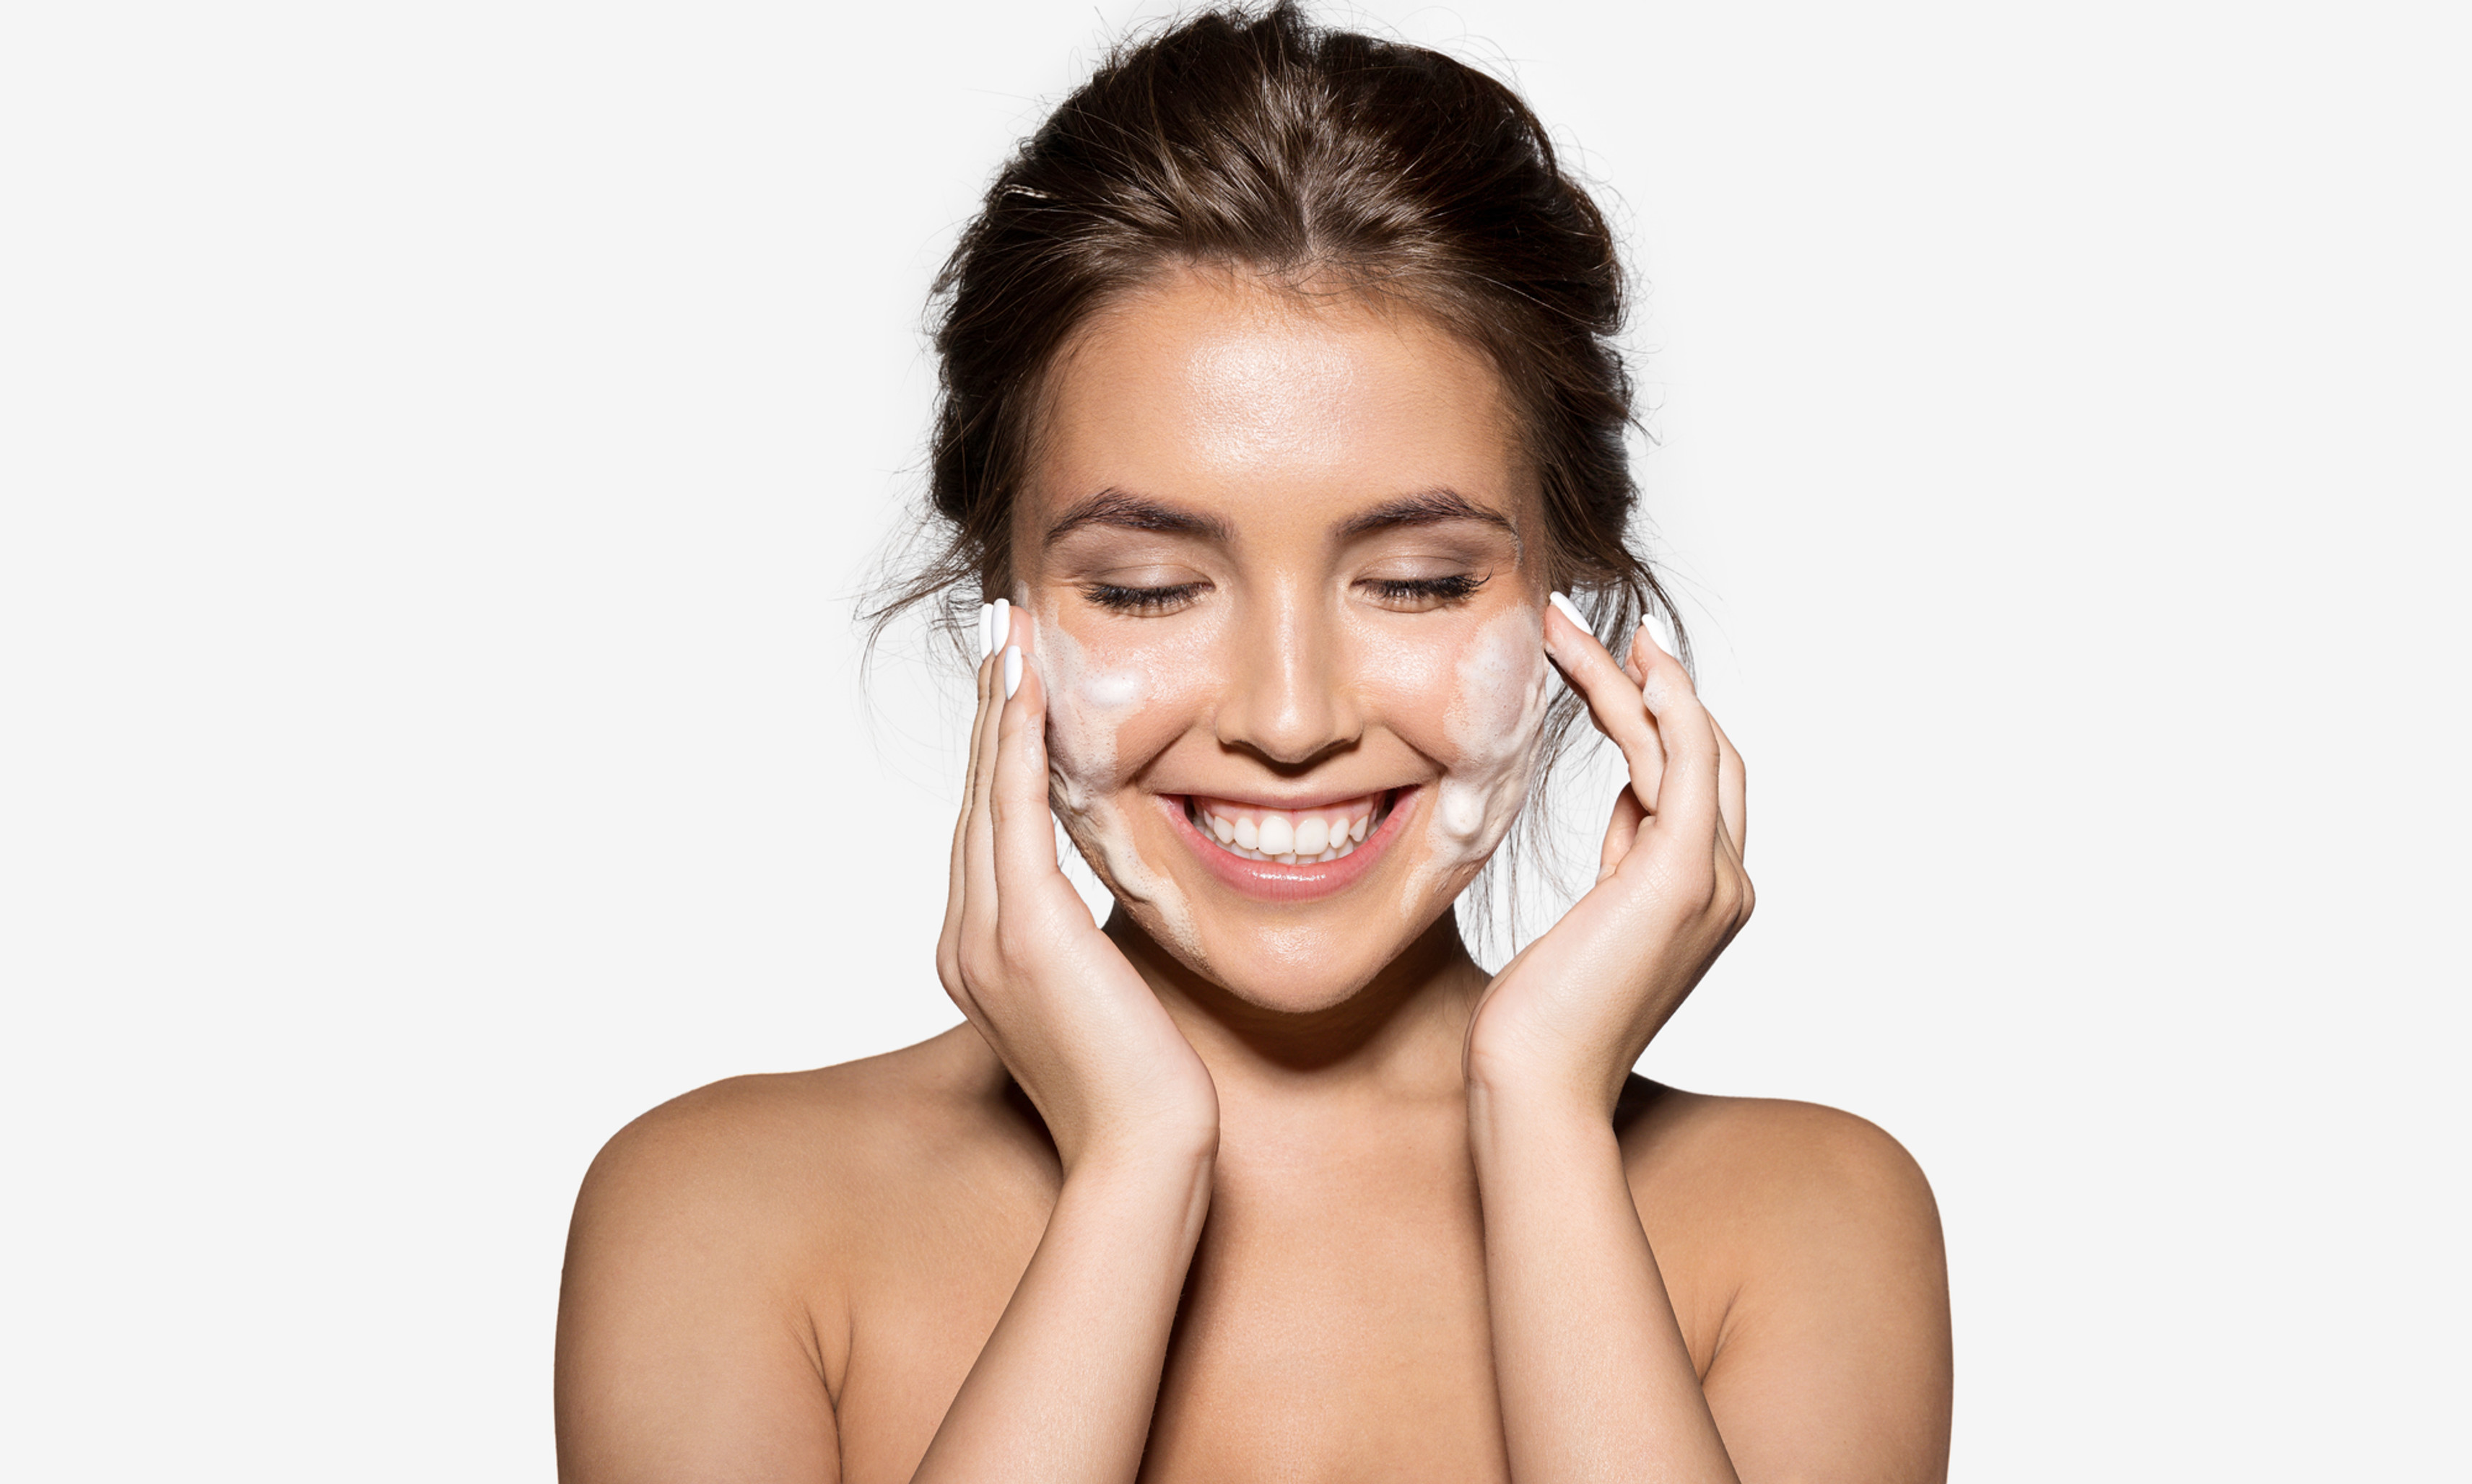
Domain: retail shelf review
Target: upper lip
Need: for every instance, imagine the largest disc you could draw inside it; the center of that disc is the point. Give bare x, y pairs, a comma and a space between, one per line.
1302, 803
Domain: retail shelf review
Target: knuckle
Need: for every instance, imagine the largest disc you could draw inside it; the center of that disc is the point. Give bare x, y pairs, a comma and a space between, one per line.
1013, 943
1689, 887
1704, 885
972, 961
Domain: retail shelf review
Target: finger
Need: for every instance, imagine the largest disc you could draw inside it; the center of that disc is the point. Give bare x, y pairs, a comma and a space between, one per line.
1025, 828
1732, 790
1686, 808
1614, 702
978, 846
998, 620
982, 727
1622, 831
980, 721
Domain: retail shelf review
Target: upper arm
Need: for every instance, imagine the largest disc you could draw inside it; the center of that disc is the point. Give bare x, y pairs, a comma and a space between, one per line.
1834, 1359
685, 1350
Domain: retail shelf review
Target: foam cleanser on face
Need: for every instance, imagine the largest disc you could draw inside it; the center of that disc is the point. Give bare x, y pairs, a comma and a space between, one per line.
1495, 722
1087, 707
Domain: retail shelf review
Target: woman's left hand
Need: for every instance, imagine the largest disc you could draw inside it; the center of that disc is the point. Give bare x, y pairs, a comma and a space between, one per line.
1568, 1016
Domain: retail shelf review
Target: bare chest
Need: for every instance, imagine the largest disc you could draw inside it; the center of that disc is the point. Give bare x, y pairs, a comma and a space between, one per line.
1332, 1328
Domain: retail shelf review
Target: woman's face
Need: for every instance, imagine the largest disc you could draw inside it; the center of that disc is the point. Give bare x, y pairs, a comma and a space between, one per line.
1282, 556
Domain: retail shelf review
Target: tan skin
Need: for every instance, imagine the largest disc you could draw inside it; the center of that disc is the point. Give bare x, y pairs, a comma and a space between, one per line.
1236, 1188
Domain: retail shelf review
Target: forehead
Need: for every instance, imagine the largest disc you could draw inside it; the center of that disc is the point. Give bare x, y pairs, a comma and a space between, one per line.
1215, 389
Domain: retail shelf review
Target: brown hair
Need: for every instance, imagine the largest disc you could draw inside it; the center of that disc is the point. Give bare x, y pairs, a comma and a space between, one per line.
1268, 144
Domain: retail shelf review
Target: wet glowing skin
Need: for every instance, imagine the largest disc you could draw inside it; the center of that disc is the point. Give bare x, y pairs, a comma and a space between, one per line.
1274, 549
1148, 1214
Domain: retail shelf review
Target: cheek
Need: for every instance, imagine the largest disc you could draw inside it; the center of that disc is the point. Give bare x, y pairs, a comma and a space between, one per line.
1109, 710
1476, 705
1471, 700
1409, 681
1497, 711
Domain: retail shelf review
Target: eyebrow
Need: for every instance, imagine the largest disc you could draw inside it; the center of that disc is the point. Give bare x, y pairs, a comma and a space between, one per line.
1426, 507
1129, 511
1135, 512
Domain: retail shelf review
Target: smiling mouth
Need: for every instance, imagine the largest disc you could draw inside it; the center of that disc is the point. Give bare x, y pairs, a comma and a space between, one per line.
1289, 837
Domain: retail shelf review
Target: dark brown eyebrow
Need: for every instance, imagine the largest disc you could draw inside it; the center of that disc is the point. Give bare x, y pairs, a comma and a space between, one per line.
1426, 507
1135, 512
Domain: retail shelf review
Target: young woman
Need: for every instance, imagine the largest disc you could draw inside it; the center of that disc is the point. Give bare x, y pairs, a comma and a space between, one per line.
1280, 415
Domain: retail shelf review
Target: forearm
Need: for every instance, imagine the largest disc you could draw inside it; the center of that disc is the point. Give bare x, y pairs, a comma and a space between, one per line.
1596, 1383
1064, 1388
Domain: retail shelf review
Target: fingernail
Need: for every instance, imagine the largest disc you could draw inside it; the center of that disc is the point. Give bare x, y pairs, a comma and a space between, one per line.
1648, 626
987, 635
1013, 670
1002, 623
1570, 609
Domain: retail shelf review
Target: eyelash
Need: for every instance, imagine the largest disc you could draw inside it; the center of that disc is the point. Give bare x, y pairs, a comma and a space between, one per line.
1141, 600
1450, 589
1159, 599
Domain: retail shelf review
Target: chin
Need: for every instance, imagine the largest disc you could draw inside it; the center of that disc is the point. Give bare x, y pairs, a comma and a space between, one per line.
1289, 972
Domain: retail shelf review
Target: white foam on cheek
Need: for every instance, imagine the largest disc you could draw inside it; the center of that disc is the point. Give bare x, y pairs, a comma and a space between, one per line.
1496, 724
1086, 706
1118, 690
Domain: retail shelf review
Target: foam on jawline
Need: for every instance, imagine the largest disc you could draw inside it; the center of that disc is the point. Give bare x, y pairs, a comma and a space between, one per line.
1086, 706
1495, 722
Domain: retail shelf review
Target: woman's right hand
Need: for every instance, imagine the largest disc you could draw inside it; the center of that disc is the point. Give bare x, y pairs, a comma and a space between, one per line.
1074, 1023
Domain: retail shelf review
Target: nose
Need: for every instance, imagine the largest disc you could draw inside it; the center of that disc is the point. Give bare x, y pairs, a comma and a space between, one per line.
1289, 699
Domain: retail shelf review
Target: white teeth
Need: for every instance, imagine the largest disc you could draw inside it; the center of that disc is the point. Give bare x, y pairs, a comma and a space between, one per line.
1285, 838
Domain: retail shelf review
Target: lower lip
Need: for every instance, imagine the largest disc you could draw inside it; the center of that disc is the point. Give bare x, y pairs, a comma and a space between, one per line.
1267, 881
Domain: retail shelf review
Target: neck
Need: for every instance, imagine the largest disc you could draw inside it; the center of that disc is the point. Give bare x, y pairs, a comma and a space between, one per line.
1402, 1034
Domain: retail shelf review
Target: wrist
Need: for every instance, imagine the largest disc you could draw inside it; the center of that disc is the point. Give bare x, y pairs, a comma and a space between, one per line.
1529, 1111
1532, 1086
1161, 1152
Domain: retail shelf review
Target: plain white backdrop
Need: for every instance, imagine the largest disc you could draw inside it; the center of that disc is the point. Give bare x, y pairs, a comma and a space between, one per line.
440, 445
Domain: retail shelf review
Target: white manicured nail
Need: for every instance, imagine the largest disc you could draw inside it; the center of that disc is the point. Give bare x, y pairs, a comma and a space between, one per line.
1001, 624
1648, 626
1013, 670
987, 635
1570, 609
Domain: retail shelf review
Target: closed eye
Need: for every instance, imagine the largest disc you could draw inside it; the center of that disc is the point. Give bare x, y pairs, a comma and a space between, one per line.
1424, 592
1142, 600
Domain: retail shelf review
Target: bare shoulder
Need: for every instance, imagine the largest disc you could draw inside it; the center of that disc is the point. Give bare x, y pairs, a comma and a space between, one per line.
773, 1144
1764, 1160
718, 1240
795, 1177
1802, 1248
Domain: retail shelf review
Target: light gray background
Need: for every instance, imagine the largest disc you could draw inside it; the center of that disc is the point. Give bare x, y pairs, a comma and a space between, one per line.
438, 444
